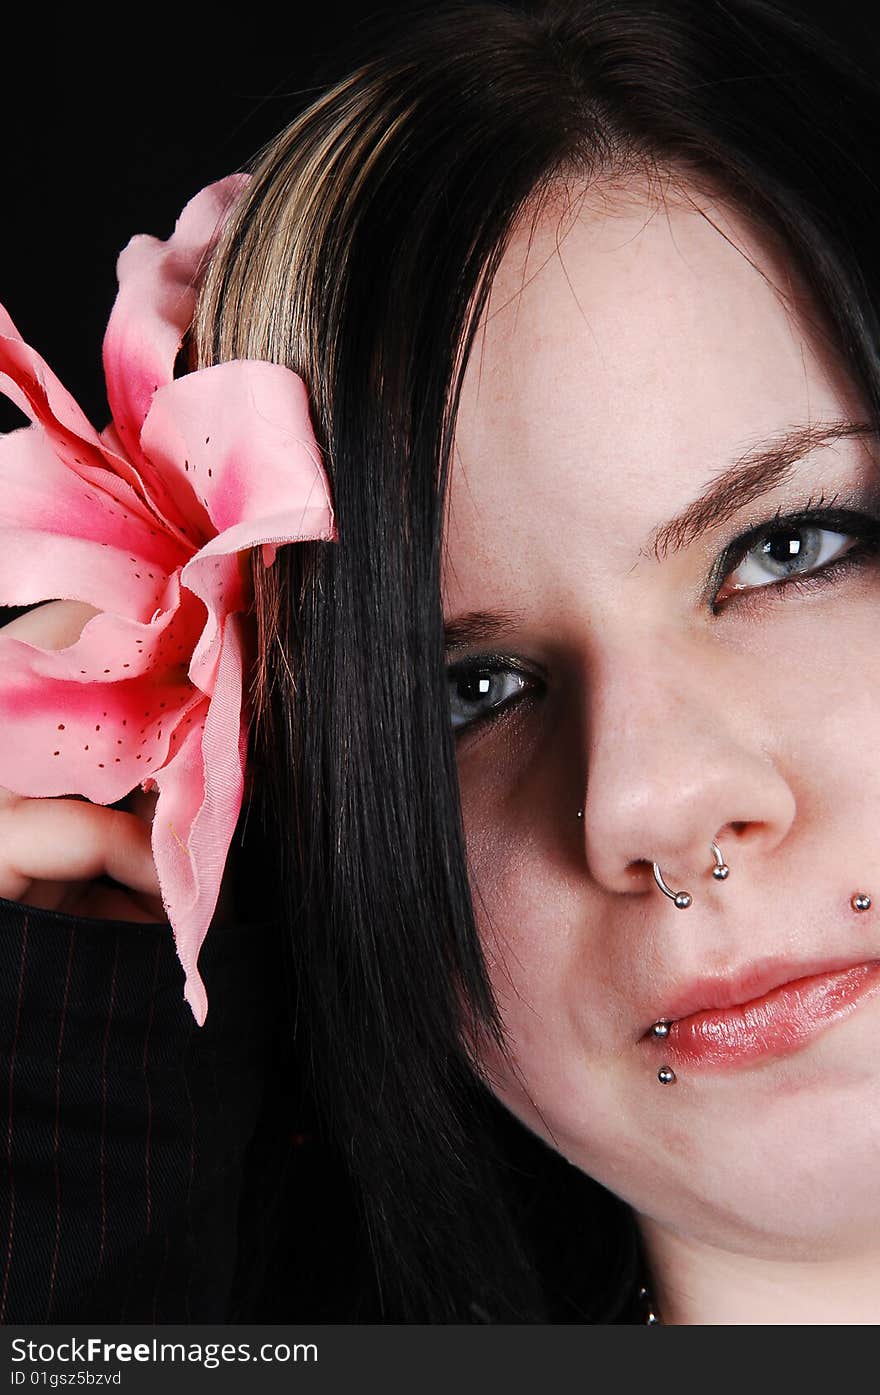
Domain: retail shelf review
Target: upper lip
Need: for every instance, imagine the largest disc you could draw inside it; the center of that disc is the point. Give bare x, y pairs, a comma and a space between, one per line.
745, 984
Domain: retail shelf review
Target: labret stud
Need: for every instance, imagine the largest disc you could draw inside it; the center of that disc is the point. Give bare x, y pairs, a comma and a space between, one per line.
665, 1074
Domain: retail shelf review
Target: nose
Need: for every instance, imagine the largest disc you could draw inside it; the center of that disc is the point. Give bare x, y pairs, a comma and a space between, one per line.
675, 762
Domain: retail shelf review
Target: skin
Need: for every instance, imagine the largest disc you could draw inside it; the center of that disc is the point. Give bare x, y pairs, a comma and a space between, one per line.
634, 345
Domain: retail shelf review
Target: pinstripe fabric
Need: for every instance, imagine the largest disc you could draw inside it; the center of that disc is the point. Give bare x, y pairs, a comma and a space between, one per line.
151, 1170
125, 1126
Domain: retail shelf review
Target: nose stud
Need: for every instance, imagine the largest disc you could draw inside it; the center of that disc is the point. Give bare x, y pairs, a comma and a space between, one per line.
683, 899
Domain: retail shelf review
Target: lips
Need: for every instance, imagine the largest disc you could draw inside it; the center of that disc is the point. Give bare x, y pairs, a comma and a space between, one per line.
747, 984
726, 1030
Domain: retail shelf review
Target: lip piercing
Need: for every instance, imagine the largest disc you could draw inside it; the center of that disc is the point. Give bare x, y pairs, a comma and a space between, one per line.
860, 901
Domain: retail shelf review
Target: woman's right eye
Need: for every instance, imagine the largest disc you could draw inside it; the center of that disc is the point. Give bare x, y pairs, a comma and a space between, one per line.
483, 689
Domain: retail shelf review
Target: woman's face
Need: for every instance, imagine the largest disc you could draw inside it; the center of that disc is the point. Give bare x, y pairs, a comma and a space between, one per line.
626, 360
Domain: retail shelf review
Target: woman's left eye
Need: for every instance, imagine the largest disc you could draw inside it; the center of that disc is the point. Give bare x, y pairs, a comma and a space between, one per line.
799, 551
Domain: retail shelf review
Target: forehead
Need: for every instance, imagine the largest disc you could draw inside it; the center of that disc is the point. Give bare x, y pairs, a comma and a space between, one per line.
632, 346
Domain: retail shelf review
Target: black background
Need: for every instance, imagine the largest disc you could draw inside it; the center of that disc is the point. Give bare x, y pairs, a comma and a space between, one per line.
110, 125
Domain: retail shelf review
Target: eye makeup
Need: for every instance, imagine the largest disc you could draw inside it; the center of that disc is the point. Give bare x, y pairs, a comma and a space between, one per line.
857, 516
854, 513
485, 670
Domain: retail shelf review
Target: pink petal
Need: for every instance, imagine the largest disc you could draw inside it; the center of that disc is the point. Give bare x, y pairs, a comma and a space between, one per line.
236, 445
155, 303
103, 714
240, 434
28, 380
200, 795
64, 539
30, 383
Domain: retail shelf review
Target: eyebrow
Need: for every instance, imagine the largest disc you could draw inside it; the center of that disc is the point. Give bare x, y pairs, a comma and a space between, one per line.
480, 627
761, 468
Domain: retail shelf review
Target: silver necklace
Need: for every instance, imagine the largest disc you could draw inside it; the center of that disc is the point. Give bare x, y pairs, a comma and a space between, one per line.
652, 1317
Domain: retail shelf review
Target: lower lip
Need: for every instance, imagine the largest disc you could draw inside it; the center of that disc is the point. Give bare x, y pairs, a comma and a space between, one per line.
774, 1025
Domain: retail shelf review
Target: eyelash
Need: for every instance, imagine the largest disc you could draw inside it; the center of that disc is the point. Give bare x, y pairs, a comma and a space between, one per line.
860, 526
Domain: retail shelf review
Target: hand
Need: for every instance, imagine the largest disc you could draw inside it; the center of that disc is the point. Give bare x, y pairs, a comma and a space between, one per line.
54, 853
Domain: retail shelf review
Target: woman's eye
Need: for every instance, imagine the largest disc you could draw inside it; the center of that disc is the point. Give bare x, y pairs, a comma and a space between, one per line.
480, 689
803, 552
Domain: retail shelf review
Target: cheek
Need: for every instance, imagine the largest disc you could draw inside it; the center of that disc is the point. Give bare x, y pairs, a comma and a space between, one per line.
815, 698
549, 981
523, 918
522, 908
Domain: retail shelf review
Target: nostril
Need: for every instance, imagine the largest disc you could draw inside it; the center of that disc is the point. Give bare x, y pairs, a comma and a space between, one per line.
738, 833
641, 873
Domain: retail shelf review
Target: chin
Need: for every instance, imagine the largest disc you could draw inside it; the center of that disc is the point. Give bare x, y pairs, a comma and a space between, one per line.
777, 1161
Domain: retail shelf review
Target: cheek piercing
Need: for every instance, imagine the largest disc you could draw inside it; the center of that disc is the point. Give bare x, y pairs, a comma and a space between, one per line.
861, 902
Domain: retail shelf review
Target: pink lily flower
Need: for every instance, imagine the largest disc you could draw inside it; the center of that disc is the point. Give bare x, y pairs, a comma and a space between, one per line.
149, 521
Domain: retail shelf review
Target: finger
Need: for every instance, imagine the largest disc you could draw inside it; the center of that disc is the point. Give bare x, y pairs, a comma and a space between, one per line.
71, 840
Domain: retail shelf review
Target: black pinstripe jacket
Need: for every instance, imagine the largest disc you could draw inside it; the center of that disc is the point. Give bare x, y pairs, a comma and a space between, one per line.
152, 1170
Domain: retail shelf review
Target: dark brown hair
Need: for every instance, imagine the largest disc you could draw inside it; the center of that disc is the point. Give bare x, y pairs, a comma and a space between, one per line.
360, 256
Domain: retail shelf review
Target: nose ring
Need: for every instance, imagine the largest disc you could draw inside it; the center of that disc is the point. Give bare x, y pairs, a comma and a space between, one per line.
683, 899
